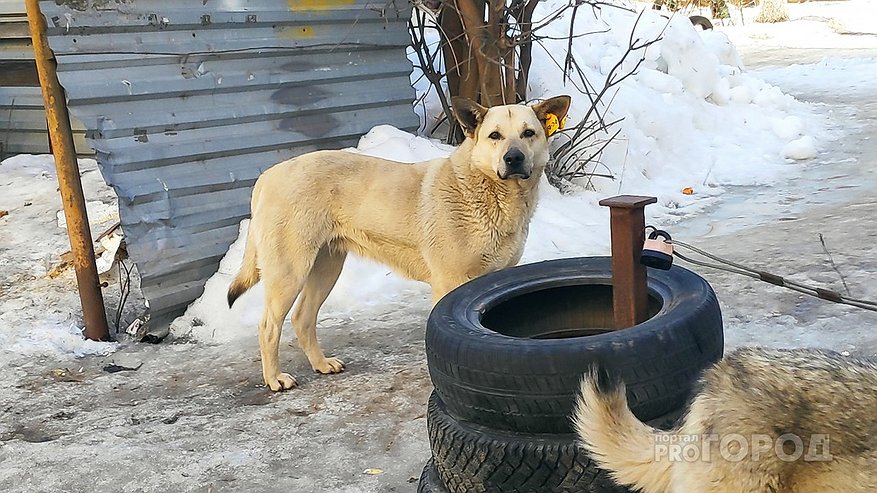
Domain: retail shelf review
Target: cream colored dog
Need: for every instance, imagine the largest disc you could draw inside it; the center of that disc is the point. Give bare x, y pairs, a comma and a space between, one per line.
442, 222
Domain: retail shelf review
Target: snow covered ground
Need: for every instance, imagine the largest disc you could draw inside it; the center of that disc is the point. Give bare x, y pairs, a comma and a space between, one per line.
39, 310
838, 26
195, 418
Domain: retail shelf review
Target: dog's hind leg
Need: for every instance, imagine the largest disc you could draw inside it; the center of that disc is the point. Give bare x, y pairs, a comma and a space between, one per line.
320, 281
279, 297
281, 291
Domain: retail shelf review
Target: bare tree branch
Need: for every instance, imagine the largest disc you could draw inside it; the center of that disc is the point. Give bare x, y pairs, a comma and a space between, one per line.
486, 46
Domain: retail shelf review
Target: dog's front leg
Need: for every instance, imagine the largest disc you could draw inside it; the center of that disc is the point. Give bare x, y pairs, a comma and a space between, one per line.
304, 321
327, 267
446, 284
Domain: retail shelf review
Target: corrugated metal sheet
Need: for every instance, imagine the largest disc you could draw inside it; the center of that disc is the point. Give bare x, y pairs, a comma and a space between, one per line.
187, 103
23, 127
11, 6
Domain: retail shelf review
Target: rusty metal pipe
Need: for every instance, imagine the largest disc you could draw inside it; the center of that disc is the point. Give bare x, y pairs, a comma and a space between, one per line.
630, 296
61, 137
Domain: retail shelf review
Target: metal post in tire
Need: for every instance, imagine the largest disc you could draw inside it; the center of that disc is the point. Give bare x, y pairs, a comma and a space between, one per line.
630, 299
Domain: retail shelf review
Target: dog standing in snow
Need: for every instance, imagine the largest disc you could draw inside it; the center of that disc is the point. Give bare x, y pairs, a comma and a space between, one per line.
764, 421
443, 221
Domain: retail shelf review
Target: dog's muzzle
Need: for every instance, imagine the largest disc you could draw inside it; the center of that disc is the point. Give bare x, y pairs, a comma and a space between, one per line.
515, 165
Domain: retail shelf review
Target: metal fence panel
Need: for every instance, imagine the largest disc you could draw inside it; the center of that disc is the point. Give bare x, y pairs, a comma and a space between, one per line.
186, 103
23, 127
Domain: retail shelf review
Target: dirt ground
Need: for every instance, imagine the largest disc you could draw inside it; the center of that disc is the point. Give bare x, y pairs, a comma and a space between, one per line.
196, 418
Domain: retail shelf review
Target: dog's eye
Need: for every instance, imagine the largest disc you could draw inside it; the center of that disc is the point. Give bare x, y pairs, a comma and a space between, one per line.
494, 136
528, 133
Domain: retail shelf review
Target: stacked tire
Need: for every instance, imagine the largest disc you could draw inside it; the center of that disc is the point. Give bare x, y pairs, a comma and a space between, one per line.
506, 353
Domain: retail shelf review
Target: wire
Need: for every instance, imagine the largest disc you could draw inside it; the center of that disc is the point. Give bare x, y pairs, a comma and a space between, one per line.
737, 268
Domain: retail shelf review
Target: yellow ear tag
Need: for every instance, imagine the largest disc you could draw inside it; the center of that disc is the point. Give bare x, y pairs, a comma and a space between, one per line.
552, 125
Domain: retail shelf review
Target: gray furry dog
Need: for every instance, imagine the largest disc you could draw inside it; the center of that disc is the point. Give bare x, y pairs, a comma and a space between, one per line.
777, 421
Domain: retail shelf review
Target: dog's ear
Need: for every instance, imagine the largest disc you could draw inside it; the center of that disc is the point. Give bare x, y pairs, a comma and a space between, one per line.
557, 106
469, 113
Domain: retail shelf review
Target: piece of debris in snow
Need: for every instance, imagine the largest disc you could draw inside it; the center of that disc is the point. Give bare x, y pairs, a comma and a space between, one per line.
114, 368
110, 241
106, 252
154, 336
137, 329
66, 262
65, 375
99, 214
4, 213
371, 471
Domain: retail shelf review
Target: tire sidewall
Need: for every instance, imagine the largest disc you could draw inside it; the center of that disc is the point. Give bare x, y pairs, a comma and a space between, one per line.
683, 338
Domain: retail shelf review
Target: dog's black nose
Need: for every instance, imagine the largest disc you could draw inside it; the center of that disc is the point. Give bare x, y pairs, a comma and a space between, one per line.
515, 166
514, 159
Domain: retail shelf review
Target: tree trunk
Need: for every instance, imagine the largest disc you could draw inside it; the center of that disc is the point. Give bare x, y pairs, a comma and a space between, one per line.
482, 62
525, 21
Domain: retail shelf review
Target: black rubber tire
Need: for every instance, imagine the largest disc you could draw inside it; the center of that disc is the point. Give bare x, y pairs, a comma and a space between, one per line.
530, 385
699, 20
470, 458
429, 480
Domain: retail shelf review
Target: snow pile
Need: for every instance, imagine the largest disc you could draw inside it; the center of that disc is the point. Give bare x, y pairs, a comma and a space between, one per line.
850, 17
692, 115
52, 339
692, 118
37, 312
803, 148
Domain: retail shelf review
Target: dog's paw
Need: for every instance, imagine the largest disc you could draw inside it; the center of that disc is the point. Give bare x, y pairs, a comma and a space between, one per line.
283, 381
329, 365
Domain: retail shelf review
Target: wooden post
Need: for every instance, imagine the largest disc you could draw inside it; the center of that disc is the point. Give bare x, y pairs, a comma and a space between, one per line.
61, 138
630, 297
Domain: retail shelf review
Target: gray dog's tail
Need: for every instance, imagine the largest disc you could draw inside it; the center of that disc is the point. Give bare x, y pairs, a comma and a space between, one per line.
248, 276
616, 440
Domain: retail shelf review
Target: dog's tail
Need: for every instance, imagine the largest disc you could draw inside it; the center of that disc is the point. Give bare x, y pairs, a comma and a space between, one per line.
248, 276
616, 440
